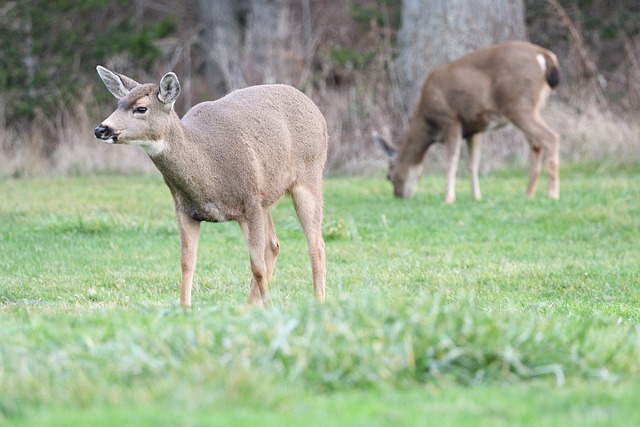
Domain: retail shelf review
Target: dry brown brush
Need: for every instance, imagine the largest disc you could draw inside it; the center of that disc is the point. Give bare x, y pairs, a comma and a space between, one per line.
347, 66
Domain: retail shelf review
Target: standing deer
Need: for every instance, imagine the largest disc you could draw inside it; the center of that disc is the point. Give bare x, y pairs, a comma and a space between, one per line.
230, 159
464, 98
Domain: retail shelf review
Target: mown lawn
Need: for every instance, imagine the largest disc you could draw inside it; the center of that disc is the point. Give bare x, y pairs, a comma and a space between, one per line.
495, 313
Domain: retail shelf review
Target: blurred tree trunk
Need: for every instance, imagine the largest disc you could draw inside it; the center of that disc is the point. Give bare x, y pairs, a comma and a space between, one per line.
242, 40
435, 32
270, 32
30, 62
223, 23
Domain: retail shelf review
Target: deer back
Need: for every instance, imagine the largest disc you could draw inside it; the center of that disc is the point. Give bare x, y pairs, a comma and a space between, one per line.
485, 85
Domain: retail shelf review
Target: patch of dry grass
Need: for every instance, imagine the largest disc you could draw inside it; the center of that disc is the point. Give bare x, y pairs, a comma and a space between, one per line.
65, 145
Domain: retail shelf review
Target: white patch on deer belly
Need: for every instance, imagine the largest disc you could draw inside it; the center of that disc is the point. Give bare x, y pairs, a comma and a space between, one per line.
153, 148
210, 212
213, 211
542, 62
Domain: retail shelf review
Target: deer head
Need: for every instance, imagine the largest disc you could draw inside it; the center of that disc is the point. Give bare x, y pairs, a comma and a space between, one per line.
142, 113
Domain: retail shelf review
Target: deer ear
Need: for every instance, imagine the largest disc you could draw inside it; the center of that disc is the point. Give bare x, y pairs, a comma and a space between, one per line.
169, 88
128, 82
389, 150
118, 85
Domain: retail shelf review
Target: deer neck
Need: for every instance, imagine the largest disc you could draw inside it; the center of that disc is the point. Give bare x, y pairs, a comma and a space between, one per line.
415, 144
179, 160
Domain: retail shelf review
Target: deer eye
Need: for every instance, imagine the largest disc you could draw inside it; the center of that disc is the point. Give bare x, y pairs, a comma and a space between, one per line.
140, 110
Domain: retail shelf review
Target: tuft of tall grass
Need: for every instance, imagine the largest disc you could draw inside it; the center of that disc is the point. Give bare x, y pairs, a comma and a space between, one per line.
168, 354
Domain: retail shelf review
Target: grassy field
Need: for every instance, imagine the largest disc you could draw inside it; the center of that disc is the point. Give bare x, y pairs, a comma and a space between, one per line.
495, 313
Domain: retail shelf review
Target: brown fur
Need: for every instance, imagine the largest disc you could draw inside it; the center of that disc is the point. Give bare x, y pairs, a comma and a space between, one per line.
464, 98
233, 159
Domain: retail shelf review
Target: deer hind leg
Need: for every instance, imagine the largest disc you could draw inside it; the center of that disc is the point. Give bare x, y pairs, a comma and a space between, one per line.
308, 205
453, 141
474, 144
253, 229
541, 139
189, 234
553, 166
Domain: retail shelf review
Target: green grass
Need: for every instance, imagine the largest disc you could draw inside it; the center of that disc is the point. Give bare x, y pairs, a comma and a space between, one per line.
500, 312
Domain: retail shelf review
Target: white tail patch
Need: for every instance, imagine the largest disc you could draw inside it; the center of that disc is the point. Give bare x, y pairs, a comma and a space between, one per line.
542, 61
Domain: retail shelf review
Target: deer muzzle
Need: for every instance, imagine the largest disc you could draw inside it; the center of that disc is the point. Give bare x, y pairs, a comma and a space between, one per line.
105, 133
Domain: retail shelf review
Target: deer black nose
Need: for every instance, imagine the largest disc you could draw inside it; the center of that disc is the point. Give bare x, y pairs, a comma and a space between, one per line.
103, 132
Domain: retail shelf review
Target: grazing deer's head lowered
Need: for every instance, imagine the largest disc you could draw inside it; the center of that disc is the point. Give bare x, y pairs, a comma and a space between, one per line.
230, 159
470, 95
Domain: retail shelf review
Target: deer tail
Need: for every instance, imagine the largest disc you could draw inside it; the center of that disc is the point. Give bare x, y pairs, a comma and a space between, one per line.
552, 73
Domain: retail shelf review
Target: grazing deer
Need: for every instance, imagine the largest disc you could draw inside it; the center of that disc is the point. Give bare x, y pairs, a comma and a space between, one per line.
230, 159
464, 98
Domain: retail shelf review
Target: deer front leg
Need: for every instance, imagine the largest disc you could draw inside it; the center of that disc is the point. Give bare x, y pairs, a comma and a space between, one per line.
474, 143
453, 141
271, 250
534, 173
253, 228
189, 234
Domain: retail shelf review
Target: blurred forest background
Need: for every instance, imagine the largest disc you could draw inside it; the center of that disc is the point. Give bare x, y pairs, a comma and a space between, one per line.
362, 61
